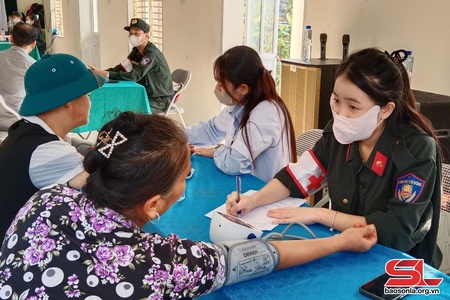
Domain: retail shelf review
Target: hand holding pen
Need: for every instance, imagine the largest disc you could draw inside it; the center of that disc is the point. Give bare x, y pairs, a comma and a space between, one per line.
238, 191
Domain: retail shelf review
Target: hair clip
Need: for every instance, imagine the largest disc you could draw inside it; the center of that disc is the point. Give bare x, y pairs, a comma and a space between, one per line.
109, 143
397, 56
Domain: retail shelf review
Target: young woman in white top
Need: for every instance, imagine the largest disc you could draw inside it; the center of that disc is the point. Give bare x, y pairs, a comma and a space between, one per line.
255, 125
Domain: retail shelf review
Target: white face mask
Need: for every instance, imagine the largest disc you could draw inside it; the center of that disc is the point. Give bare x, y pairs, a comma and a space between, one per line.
15, 21
28, 22
223, 98
136, 41
349, 130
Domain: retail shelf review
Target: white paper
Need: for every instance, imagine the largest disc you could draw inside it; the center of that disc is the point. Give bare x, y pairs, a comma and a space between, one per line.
258, 216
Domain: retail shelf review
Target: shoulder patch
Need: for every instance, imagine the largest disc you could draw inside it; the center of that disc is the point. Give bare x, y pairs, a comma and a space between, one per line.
409, 187
145, 60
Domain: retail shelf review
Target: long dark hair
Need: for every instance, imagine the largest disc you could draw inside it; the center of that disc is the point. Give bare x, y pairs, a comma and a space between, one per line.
242, 65
36, 22
148, 163
385, 79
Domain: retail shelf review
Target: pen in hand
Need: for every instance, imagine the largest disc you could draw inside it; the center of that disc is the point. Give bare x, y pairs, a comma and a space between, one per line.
238, 191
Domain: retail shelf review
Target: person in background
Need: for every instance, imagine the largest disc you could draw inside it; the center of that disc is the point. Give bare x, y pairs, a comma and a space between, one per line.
36, 152
145, 65
39, 11
15, 17
69, 243
32, 8
255, 124
379, 155
14, 62
32, 19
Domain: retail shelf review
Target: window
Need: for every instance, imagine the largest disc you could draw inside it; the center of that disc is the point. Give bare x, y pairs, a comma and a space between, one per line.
94, 11
56, 17
151, 12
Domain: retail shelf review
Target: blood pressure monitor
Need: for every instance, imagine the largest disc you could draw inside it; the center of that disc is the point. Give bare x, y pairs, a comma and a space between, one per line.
226, 227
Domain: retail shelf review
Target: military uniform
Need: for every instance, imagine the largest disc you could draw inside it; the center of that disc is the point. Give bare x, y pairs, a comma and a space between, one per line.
398, 189
151, 70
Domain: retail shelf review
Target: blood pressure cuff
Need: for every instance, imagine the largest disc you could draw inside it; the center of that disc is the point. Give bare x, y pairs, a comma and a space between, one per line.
248, 259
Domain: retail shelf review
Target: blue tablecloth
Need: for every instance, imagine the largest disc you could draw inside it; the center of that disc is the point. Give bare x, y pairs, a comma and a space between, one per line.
337, 276
113, 98
34, 53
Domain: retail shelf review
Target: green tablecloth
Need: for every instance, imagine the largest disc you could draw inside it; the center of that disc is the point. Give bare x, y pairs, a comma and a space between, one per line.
34, 53
112, 98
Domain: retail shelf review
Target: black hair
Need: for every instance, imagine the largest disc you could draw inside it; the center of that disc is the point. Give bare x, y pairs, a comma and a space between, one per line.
16, 14
23, 34
242, 65
36, 22
384, 79
147, 164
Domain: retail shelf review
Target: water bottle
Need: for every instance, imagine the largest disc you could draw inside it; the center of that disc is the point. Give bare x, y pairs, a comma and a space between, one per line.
307, 43
408, 63
2, 35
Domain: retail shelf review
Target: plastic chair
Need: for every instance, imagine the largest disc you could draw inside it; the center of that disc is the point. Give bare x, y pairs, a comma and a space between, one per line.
8, 116
307, 140
181, 78
304, 142
52, 43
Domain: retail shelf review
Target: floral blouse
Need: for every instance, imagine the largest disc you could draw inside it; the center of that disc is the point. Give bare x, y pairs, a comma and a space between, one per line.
61, 246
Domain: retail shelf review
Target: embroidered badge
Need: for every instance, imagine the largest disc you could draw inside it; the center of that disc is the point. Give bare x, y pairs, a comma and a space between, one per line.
379, 163
145, 60
409, 187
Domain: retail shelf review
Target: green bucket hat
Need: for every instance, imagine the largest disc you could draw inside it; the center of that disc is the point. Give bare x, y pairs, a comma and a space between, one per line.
56, 80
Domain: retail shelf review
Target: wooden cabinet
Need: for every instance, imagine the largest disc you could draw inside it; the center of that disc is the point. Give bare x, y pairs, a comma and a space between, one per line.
306, 88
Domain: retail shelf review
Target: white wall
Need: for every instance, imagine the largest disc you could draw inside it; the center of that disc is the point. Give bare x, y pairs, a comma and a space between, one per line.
417, 25
196, 32
24, 5
113, 38
194, 35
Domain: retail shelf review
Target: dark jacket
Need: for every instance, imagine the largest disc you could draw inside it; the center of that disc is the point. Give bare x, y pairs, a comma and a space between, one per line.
151, 70
398, 189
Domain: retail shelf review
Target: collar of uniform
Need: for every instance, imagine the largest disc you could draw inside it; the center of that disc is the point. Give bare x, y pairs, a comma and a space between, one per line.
383, 146
400, 153
149, 44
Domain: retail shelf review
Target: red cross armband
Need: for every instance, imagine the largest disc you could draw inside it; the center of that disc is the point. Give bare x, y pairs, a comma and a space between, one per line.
308, 174
126, 65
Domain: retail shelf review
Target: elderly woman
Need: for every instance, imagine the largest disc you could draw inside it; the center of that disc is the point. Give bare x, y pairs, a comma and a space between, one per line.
66, 243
